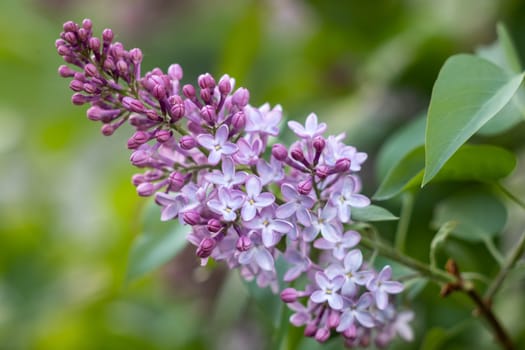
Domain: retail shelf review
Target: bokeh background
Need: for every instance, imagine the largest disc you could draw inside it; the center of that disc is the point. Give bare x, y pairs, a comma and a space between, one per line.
69, 214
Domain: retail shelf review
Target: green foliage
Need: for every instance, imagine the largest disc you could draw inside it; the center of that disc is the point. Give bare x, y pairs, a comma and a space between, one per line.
468, 92
158, 243
372, 213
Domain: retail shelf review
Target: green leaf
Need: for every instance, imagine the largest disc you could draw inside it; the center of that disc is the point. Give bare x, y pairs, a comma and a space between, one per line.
484, 163
468, 92
434, 339
372, 213
157, 244
400, 144
478, 215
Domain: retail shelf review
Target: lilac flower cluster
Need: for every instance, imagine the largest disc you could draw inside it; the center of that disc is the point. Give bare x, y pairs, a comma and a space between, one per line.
209, 162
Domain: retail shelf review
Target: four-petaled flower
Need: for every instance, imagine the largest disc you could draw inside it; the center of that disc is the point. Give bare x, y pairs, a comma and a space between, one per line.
357, 311
228, 178
296, 203
255, 199
227, 203
347, 197
271, 228
339, 247
351, 272
328, 290
311, 128
322, 222
218, 144
381, 286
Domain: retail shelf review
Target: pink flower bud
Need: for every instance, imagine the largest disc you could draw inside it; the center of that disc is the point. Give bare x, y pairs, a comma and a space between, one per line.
176, 180
137, 179
94, 44
319, 143
187, 142
225, 85
342, 165
239, 120
76, 85
241, 97
145, 189
206, 81
108, 129
107, 36
70, 26
322, 171
87, 24
206, 247
305, 187
122, 67
279, 152
133, 105
333, 319
310, 329
208, 114
189, 91
192, 217
214, 225
206, 95
163, 135
322, 335
175, 72
135, 55
243, 243
65, 71
91, 70
289, 295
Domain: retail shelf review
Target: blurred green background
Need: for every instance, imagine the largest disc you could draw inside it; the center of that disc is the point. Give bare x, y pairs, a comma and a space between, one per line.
68, 212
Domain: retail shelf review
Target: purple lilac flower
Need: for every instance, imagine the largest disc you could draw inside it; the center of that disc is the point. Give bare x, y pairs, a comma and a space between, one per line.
255, 209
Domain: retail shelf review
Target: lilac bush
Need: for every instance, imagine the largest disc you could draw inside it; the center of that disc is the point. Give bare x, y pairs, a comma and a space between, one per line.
211, 161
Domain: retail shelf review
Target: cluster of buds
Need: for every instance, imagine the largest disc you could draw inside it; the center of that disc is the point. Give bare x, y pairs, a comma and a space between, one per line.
208, 160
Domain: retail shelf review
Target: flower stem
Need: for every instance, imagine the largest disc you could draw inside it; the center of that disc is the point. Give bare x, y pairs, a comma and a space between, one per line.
404, 221
434, 274
509, 195
519, 248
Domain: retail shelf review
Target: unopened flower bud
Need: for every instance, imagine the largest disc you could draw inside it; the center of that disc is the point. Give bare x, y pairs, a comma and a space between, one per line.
189, 91
82, 34
63, 50
70, 26
297, 154
206, 95
91, 70
322, 171
342, 165
79, 99
206, 247
109, 64
107, 36
135, 55
163, 135
319, 143
333, 319
208, 114
133, 105
225, 85
322, 334
87, 24
65, 71
139, 158
145, 189
350, 332
241, 97
175, 72
94, 44
187, 142
137, 179
279, 152
91, 89
176, 180
122, 67
76, 85
140, 137
107, 129
289, 295
305, 187
310, 329
239, 120
244, 243
70, 37
192, 217
214, 225
159, 92
206, 81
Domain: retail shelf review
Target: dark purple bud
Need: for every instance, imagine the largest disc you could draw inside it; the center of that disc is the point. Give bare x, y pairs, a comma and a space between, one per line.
322, 171
177, 109
107, 36
79, 99
94, 44
91, 70
297, 154
107, 129
76, 85
163, 135
310, 329
153, 175
206, 247
122, 67
153, 116
206, 81
139, 138
244, 243
59, 42
133, 105
176, 180
91, 89
117, 50
289, 295
187, 142
350, 332
279, 152
241, 97
80, 76
139, 158
87, 24
96, 113
63, 50
206, 95
189, 91
333, 319
214, 225
175, 72
208, 114
158, 91
70, 26
192, 217
322, 335
71, 38
135, 55
109, 64
239, 120
83, 34
342, 165
145, 189
319, 143
305, 187
137, 179
65, 71
225, 85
